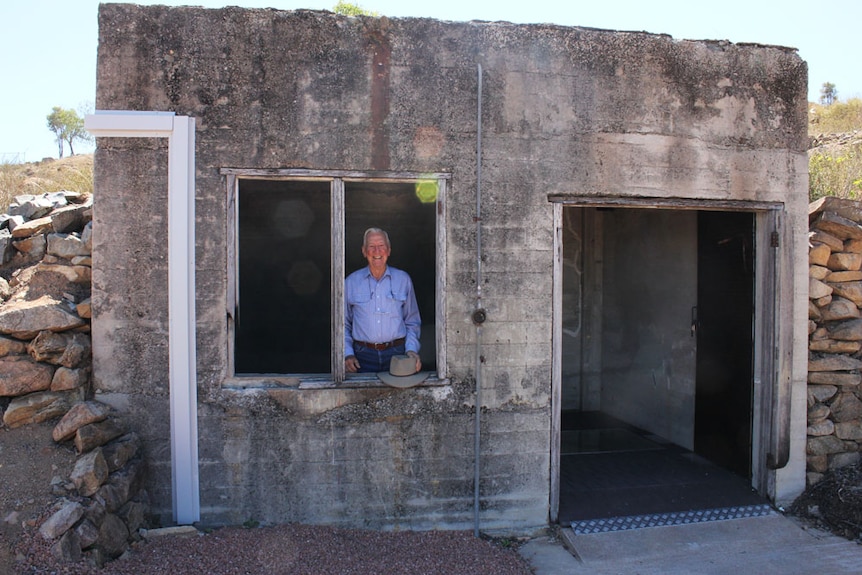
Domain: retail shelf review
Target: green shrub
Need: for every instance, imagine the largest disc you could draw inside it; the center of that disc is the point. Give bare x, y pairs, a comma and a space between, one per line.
836, 173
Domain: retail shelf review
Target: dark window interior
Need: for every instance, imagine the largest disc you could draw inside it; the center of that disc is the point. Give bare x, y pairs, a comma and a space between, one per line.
284, 320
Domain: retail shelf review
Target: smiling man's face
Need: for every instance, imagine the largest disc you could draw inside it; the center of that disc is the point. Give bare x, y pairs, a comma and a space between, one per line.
376, 252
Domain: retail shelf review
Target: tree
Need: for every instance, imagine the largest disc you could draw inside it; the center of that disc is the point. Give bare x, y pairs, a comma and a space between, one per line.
348, 9
68, 127
828, 94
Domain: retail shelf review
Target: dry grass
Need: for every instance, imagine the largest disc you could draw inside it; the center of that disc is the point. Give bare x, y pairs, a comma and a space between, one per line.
74, 173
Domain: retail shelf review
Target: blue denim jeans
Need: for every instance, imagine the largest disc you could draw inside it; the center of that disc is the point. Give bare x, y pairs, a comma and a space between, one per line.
372, 360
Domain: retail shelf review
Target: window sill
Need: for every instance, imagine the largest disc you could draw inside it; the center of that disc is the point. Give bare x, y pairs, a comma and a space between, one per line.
365, 381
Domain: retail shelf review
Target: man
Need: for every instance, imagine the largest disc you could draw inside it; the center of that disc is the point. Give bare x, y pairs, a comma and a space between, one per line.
381, 318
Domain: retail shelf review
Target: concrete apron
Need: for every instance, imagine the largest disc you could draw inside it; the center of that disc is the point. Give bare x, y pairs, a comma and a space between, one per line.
763, 545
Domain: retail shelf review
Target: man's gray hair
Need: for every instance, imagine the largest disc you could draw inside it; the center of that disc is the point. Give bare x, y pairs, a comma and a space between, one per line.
371, 231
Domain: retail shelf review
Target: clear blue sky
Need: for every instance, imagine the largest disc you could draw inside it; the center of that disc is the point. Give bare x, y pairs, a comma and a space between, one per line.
49, 46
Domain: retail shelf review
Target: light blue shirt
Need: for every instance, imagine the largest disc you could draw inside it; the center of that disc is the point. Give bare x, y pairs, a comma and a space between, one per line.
380, 311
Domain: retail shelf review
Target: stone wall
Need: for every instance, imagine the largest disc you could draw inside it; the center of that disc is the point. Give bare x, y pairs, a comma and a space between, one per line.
835, 330
45, 375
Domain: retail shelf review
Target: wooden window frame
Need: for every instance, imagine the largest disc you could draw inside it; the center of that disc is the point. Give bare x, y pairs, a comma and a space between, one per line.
337, 376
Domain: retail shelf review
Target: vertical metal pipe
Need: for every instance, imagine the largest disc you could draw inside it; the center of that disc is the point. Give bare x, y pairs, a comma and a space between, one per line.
478, 218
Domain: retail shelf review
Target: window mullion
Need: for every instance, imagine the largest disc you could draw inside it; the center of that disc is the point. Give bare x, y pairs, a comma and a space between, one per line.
337, 227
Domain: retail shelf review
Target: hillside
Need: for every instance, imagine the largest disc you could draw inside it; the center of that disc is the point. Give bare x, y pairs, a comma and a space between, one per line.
74, 173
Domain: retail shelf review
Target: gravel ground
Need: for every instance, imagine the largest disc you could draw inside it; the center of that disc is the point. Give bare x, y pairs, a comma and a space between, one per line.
295, 550
29, 459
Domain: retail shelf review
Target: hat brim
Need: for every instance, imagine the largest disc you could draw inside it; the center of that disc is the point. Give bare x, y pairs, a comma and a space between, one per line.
403, 381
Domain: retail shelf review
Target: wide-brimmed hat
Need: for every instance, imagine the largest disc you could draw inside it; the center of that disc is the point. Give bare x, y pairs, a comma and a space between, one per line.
402, 372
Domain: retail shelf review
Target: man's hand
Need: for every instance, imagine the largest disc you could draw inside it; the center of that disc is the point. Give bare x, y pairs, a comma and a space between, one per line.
415, 356
351, 364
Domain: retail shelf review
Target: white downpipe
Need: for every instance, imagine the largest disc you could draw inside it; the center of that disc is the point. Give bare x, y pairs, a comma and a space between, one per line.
180, 132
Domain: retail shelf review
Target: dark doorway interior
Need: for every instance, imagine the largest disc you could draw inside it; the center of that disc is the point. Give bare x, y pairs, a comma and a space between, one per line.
725, 309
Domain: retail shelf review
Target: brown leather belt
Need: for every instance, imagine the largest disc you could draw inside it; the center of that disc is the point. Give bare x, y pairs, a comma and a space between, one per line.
380, 346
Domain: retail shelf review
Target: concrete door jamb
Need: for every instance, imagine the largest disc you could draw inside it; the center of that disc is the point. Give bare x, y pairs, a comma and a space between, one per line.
180, 132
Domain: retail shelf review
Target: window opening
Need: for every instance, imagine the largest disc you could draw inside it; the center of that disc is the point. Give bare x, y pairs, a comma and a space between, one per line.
293, 236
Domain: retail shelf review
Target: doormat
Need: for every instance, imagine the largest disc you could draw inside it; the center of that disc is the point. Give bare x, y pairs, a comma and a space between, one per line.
608, 524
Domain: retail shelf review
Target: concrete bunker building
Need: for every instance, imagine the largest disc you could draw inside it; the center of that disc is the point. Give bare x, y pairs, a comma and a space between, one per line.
602, 227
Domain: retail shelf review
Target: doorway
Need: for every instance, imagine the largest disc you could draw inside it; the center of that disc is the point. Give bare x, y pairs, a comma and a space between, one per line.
656, 354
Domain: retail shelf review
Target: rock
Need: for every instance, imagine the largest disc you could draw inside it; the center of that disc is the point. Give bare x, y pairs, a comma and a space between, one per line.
821, 237
68, 246
813, 478
834, 378
88, 533
814, 312
819, 255
67, 379
843, 261
834, 362
852, 246
20, 375
825, 445
32, 228
90, 473
79, 415
825, 427
62, 520
33, 247
10, 346
851, 430
849, 290
839, 277
817, 289
837, 226
36, 408
73, 274
818, 463
121, 486
840, 308
35, 206
25, 319
6, 249
818, 412
178, 531
132, 515
841, 460
71, 219
846, 407
66, 349
84, 309
118, 453
823, 301
5, 290
97, 434
832, 346
87, 234
113, 536
68, 548
819, 272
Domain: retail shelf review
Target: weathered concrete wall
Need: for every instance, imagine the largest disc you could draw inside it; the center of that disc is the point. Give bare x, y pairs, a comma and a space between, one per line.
566, 111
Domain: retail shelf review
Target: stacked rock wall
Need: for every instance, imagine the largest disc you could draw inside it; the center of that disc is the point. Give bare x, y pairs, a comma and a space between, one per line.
45, 375
835, 336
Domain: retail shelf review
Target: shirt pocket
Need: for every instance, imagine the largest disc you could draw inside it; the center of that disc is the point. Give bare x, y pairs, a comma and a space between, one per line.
359, 296
396, 300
